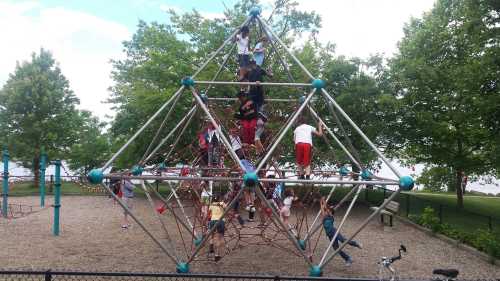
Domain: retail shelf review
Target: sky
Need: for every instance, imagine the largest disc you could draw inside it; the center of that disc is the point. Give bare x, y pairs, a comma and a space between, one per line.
85, 35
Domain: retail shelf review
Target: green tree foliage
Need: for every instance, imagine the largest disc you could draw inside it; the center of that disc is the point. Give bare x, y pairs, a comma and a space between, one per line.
447, 76
92, 148
37, 110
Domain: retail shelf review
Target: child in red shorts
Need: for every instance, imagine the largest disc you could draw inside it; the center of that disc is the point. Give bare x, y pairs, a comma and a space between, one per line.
302, 136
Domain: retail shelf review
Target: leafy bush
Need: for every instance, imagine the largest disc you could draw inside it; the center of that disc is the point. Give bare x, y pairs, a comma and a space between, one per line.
430, 220
488, 242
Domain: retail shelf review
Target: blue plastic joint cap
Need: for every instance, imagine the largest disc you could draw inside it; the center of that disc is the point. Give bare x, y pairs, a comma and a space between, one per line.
318, 84
95, 176
302, 245
187, 81
182, 267
250, 179
366, 175
344, 171
315, 271
255, 11
137, 170
406, 183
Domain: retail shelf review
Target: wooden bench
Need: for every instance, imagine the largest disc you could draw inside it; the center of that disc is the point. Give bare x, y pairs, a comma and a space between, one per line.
390, 210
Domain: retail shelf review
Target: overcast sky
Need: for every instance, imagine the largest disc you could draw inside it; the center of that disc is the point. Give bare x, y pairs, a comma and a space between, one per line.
85, 35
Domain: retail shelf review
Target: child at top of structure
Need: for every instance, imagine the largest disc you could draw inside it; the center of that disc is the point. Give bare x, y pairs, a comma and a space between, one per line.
327, 211
288, 199
216, 211
259, 50
242, 40
256, 74
302, 136
247, 114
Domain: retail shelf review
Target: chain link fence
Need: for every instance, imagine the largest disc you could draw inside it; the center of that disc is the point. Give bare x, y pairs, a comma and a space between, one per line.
98, 276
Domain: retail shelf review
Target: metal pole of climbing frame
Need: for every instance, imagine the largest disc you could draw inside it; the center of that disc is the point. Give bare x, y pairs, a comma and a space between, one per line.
57, 197
5, 184
43, 163
253, 83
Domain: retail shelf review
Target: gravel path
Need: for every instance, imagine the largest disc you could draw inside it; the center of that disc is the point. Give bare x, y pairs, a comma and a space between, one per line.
92, 240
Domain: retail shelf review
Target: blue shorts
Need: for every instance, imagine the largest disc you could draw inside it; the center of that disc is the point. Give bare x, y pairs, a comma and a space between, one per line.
220, 228
243, 60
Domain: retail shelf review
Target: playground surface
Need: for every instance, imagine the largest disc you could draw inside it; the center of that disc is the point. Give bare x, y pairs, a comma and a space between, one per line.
92, 240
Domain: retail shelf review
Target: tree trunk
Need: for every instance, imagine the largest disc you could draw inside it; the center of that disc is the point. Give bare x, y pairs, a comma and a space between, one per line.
458, 189
36, 170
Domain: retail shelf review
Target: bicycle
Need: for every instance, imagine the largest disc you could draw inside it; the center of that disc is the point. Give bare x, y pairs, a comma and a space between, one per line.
385, 265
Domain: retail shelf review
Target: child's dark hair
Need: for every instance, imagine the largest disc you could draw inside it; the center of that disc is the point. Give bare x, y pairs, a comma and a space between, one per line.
288, 192
244, 29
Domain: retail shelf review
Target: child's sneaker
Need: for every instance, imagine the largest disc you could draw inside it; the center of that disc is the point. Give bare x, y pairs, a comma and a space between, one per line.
348, 263
124, 226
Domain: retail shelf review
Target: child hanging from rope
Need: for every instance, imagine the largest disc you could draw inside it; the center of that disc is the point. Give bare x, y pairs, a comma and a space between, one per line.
327, 212
247, 114
216, 211
242, 40
303, 146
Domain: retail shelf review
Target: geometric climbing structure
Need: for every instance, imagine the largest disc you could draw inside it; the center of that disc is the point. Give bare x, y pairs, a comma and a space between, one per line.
189, 182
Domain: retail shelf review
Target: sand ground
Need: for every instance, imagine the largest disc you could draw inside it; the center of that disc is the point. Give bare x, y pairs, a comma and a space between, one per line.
92, 239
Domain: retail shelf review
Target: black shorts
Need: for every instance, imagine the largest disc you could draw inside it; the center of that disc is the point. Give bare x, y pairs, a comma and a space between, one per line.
220, 228
243, 60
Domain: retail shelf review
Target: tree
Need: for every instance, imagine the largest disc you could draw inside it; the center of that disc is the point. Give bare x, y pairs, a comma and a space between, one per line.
37, 111
91, 148
447, 77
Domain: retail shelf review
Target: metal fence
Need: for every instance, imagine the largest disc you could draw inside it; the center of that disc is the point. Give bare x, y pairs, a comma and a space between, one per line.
412, 205
96, 276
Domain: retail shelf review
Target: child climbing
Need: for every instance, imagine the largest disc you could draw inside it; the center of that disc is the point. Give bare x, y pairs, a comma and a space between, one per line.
242, 40
259, 131
127, 189
216, 220
259, 51
247, 114
285, 211
303, 145
327, 212
236, 144
256, 74
209, 145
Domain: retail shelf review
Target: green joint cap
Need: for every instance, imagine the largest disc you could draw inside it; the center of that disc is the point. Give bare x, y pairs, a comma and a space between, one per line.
315, 271
182, 267
197, 241
95, 176
187, 81
250, 179
302, 245
406, 183
318, 84
344, 171
137, 170
366, 175
255, 11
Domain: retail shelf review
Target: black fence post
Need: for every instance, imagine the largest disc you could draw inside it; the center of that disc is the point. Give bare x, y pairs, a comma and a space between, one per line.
51, 185
440, 213
384, 192
490, 223
407, 205
157, 186
48, 275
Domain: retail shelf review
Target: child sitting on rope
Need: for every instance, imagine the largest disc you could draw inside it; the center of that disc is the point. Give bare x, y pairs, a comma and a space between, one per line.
242, 40
216, 210
327, 212
303, 146
247, 114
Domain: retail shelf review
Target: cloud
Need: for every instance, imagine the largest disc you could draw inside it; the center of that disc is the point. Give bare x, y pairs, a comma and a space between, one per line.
364, 27
81, 43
